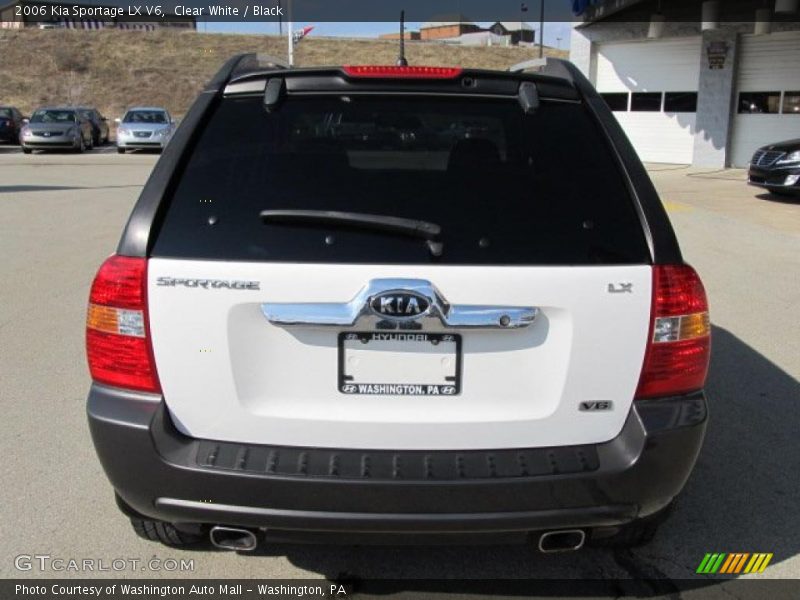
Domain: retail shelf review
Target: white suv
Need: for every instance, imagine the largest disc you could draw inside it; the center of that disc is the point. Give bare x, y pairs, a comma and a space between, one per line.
398, 302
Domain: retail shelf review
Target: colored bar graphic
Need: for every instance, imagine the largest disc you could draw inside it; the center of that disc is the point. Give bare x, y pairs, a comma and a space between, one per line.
717, 563
733, 563
740, 563
732, 558
704, 564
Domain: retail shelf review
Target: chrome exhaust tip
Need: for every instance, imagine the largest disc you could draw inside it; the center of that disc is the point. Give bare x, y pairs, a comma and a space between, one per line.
233, 538
565, 540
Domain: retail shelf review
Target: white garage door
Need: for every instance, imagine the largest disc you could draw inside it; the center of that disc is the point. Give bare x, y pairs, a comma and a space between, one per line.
661, 132
768, 94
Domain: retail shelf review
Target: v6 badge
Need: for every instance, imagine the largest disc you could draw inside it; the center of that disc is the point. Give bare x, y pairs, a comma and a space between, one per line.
596, 405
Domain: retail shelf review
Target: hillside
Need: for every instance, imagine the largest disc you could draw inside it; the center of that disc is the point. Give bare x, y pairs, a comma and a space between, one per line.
115, 69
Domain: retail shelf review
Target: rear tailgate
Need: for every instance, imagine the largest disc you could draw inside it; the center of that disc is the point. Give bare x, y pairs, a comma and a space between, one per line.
229, 374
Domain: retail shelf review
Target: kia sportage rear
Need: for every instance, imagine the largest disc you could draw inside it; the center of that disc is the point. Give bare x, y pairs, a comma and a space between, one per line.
397, 303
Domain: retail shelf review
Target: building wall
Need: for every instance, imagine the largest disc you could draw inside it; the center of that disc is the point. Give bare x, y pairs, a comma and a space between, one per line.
447, 31
716, 87
408, 35
715, 101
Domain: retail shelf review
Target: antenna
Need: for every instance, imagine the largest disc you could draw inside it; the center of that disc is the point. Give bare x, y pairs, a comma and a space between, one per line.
401, 58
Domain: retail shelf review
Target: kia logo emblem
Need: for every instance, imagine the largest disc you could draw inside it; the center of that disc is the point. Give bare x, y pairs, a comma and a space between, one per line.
399, 305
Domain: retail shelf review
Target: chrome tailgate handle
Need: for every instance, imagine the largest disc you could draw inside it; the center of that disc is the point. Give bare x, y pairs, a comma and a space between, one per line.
399, 301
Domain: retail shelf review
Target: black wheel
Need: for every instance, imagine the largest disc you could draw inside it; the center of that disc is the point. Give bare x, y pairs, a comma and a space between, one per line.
166, 533
120, 150
637, 533
26, 150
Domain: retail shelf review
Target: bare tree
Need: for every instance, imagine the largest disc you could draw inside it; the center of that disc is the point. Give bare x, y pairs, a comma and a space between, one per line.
73, 65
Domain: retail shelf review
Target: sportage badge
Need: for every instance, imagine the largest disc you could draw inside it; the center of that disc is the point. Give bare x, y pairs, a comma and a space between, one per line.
399, 305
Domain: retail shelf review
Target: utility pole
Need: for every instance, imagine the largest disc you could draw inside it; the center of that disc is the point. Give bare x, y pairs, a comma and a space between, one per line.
541, 28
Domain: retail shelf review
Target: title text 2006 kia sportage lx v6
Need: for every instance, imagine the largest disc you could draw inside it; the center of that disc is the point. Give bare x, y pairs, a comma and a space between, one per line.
390, 303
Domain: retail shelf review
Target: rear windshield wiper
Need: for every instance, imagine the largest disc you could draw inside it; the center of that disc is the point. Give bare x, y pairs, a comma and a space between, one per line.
413, 227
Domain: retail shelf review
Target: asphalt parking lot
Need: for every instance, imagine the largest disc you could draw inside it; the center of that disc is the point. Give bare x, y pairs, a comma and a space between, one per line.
61, 214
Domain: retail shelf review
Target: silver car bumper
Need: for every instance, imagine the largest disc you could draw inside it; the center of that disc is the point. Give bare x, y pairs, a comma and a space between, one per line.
132, 142
55, 141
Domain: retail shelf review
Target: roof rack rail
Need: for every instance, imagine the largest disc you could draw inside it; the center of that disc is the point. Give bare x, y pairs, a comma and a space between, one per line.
555, 67
533, 64
244, 63
259, 61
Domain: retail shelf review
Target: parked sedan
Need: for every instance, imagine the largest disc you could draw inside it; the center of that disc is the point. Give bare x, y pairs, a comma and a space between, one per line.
100, 131
11, 122
57, 128
145, 128
777, 168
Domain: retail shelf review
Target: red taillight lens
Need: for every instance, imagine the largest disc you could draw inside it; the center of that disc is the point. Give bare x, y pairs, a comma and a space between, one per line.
679, 346
400, 72
117, 334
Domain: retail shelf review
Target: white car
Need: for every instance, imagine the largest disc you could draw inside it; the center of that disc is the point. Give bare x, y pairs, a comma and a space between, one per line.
144, 128
402, 333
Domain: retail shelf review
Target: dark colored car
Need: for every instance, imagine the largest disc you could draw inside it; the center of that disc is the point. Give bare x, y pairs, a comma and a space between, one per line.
777, 168
305, 335
100, 129
11, 123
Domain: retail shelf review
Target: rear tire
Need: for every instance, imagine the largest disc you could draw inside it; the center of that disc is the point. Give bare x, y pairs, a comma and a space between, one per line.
26, 150
637, 533
120, 150
166, 533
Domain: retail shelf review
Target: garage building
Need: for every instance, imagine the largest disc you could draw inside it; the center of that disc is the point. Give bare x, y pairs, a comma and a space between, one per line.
694, 89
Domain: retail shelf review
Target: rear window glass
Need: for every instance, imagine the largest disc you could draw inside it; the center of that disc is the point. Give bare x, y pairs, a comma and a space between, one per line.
505, 187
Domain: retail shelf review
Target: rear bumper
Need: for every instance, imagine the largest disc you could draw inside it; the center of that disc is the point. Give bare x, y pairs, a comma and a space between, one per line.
161, 474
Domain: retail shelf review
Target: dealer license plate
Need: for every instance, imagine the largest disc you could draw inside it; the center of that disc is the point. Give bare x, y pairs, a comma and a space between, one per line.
383, 363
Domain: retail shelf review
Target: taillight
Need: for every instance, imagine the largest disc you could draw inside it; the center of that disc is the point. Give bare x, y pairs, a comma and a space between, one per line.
679, 346
401, 72
117, 333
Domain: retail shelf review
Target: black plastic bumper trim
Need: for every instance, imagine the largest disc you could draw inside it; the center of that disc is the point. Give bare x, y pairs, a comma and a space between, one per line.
158, 473
330, 521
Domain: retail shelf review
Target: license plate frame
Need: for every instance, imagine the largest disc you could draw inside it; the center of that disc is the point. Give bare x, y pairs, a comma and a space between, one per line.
450, 387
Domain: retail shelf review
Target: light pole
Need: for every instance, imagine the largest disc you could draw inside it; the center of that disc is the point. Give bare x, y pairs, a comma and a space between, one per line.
541, 28
289, 25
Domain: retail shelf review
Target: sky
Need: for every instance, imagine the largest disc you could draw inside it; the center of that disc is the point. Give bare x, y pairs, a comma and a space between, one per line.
552, 30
